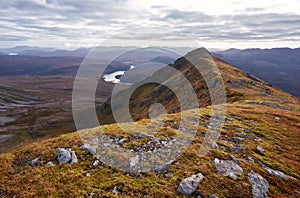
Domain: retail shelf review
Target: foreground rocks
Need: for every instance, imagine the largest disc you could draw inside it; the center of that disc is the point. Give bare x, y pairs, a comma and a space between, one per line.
260, 149
275, 173
66, 156
34, 162
260, 186
189, 184
90, 148
228, 168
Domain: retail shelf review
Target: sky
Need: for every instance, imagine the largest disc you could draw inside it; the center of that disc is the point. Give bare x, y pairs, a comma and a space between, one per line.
218, 24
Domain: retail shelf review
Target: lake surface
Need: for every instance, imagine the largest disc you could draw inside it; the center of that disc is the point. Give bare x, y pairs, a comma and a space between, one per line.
113, 77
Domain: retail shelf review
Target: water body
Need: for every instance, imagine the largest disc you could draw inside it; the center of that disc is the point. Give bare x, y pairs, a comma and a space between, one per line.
115, 76
112, 77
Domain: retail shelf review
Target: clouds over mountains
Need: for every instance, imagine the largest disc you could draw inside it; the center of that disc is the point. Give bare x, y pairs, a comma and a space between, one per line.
77, 22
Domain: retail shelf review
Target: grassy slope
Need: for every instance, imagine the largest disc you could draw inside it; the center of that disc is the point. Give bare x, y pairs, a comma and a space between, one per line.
19, 179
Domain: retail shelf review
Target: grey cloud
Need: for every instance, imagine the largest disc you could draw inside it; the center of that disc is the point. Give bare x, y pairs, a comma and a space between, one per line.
254, 9
12, 38
188, 16
71, 20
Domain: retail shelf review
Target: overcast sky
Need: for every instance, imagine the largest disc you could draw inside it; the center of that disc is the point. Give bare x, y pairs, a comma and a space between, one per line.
211, 23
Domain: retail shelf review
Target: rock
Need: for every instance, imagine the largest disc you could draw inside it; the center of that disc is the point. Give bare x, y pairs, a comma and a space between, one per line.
133, 161
96, 163
278, 147
260, 149
122, 140
115, 191
189, 185
227, 167
248, 159
248, 131
233, 158
214, 145
232, 176
277, 117
238, 139
242, 134
260, 186
74, 159
90, 148
88, 175
275, 173
237, 149
64, 156
95, 141
163, 168
50, 164
35, 161
212, 196
223, 148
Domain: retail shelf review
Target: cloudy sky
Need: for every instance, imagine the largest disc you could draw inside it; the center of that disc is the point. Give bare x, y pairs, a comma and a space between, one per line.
210, 23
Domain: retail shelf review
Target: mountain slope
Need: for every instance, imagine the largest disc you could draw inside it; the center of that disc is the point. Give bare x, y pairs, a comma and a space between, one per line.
278, 66
257, 115
239, 86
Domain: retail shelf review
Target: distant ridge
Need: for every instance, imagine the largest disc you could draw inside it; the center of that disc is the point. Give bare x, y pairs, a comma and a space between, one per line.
277, 66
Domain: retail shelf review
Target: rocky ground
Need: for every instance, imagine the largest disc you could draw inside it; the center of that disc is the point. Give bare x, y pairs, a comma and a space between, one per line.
255, 156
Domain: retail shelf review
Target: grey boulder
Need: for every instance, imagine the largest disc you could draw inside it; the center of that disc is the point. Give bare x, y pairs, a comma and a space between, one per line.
66, 156
190, 184
260, 186
275, 173
228, 168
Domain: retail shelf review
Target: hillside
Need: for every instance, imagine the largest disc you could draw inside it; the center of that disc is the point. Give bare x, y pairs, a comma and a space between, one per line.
261, 133
238, 86
277, 66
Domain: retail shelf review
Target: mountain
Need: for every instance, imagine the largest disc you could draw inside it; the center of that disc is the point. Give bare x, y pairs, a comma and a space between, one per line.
56, 53
20, 49
277, 66
36, 65
239, 86
256, 154
45, 52
39, 61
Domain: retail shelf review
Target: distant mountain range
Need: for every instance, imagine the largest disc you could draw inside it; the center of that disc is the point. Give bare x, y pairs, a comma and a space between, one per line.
278, 66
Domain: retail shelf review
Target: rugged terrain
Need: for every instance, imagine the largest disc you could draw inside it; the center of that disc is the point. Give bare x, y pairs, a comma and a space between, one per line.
260, 136
277, 66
